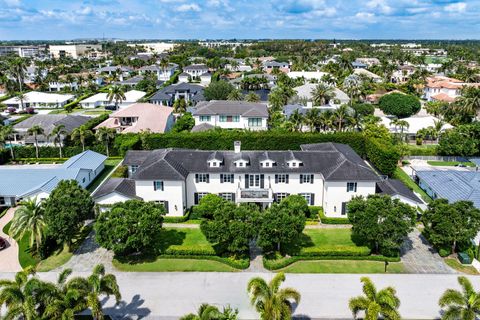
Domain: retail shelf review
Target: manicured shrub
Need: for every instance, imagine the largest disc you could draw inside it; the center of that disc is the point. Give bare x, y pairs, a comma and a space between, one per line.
400, 105
443, 252
234, 263
326, 220
275, 264
384, 156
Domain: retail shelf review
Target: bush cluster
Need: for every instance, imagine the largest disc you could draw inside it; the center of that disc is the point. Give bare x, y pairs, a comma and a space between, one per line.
189, 251
326, 220
400, 105
275, 264
234, 263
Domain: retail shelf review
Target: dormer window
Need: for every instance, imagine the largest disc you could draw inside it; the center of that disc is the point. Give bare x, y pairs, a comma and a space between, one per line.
267, 163
214, 163
294, 164
241, 163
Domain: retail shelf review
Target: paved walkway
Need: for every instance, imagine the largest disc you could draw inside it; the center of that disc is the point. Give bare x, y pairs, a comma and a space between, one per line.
89, 254
9, 256
256, 259
324, 296
418, 256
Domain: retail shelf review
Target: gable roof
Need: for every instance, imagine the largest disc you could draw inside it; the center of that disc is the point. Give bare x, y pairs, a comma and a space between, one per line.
336, 162
233, 108
85, 160
395, 187
123, 186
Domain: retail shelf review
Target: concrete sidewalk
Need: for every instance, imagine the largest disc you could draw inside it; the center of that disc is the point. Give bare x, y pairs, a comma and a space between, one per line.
324, 296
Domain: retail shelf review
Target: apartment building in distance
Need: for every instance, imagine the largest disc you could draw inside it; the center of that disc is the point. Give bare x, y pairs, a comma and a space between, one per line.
74, 51
23, 51
325, 174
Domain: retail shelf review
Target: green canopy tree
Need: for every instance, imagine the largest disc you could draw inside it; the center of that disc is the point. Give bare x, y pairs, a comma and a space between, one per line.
218, 90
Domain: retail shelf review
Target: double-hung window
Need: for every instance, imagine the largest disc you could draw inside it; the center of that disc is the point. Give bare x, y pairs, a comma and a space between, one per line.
205, 118
198, 196
280, 196
309, 197
281, 178
227, 196
158, 185
224, 118
202, 177
306, 178
254, 122
351, 187
226, 178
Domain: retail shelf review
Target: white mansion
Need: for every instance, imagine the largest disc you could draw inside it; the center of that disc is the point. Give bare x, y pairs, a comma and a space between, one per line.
326, 174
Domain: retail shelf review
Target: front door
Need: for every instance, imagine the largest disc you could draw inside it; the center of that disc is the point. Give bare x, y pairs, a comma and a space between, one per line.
254, 181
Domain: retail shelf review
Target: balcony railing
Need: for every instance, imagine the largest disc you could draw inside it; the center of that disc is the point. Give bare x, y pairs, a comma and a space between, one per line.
254, 194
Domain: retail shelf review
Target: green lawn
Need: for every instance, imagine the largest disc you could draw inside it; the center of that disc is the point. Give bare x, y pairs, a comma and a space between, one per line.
455, 264
343, 266
176, 239
183, 265
323, 240
449, 163
24, 255
110, 164
402, 176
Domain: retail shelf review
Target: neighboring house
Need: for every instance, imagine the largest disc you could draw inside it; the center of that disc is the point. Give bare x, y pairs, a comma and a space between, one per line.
306, 92
140, 117
206, 78
133, 81
240, 67
326, 174
191, 93
403, 73
195, 70
232, 114
110, 70
101, 100
398, 190
359, 65
184, 77
364, 72
307, 75
38, 181
55, 86
115, 190
35, 99
269, 66
32, 72
269, 81
440, 88
415, 124
162, 73
47, 122
368, 61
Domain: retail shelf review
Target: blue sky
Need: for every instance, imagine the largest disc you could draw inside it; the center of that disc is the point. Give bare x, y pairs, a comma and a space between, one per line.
200, 19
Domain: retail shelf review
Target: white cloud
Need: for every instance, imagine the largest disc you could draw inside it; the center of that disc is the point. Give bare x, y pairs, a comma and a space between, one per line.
11, 3
365, 16
456, 7
188, 7
380, 5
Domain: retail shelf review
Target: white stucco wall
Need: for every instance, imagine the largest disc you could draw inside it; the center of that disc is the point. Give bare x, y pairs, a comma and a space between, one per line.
336, 193
173, 192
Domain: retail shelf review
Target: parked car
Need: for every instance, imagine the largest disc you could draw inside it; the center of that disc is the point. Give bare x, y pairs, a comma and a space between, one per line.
3, 243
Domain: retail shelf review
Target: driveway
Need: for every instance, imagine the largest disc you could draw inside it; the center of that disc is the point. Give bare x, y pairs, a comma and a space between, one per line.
418, 256
9, 256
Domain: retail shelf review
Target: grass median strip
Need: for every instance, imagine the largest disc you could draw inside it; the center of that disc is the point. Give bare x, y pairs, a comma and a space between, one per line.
343, 266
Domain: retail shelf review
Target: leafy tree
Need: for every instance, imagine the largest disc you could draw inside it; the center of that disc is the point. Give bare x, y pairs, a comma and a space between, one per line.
106, 135
463, 304
207, 206
269, 300
460, 141
382, 304
130, 226
67, 207
400, 105
232, 227
29, 218
448, 224
380, 222
469, 100
184, 123
282, 223
35, 131
218, 90
363, 109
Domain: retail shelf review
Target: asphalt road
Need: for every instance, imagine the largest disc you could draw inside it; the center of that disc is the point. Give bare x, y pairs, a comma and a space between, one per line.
324, 296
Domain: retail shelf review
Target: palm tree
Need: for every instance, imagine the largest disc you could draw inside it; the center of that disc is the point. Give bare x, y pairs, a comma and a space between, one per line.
28, 218
58, 133
81, 133
106, 135
269, 300
235, 95
100, 284
469, 101
340, 115
276, 100
116, 94
35, 131
352, 85
383, 303
295, 121
6, 133
180, 106
17, 70
25, 297
205, 312
252, 97
312, 119
463, 304
322, 94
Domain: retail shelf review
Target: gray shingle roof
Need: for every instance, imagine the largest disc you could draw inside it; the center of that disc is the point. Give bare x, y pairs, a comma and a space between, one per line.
336, 162
196, 67
122, 186
232, 108
394, 187
168, 92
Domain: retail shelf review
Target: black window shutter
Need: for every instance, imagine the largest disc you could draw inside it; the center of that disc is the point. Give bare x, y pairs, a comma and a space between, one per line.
208, 178
286, 178
312, 199
275, 197
195, 196
165, 203
232, 178
276, 178
233, 197
221, 177
262, 181
344, 208
301, 178
196, 177
154, 186
311, 178
246, 181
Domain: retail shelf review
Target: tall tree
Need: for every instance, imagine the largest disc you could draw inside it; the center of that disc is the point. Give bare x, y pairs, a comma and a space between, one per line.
464, 305
322, 94
269, 300
382, 304
6, 133
252, 97
17, 70
58, 134
106, 135
35, 131
116, 94
29, 218
81, 133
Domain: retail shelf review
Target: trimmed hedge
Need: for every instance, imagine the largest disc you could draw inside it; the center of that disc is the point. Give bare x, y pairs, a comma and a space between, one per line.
347, 251
175, 219
50, 152
327, 220
234, 263
276, 264
189, 251
383, 156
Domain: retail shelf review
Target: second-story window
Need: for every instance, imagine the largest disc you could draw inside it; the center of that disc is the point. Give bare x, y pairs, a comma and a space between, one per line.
202, 178
226, 178
351, 187
134, 168
306, 178
158, 185
281, 178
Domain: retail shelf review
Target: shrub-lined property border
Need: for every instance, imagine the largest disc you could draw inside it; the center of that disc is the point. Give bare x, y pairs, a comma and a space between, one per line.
277, 264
